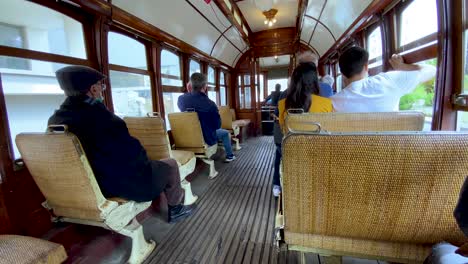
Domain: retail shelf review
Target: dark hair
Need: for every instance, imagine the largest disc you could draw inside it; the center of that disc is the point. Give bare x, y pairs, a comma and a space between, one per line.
353, 60
278, 87
304, 82
198, 81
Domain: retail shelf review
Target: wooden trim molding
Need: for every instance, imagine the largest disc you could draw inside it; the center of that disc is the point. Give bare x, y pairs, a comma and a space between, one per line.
115, 67
42, 56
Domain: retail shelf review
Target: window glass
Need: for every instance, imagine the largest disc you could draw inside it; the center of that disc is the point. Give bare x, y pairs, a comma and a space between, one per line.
39, 29
246, 79
211, 75
374, 44
422, 98
241, 98
37, 89
339, 83
194, 67
261, 93
221, 78
170, 66
212, 96
126, 51
131, 94
462, 117
418, 20
170, 105
222, 95
272, 83
248, 98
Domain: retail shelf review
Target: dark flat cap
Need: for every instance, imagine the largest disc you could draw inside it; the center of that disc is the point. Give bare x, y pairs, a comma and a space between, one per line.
76, 80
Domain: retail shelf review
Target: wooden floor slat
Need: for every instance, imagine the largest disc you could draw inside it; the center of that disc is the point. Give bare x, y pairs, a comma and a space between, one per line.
233, 221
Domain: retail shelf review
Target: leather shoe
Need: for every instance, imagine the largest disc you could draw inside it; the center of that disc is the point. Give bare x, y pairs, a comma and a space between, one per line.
179, 212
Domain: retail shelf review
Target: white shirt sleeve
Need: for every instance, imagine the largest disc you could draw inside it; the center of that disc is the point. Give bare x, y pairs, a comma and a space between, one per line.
406, 81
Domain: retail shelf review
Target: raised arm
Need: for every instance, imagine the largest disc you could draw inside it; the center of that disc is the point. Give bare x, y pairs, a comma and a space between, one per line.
427, 72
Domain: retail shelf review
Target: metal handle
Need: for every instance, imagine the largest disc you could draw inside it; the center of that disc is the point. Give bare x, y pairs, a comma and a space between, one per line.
57, 129
153, 114
295, 111
318, 130
460, 99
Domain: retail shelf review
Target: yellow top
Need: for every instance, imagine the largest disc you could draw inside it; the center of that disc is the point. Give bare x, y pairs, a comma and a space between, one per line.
319, 105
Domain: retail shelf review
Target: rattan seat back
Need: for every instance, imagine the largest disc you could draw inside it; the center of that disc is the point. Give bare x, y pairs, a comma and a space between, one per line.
59, 166
151, 133
356, 122
388, 195
226, 117
186, 130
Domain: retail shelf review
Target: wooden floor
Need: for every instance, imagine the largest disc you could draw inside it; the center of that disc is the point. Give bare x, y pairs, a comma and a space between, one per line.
234, 220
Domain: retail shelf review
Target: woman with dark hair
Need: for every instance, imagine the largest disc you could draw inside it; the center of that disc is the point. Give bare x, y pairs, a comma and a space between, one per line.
302, 93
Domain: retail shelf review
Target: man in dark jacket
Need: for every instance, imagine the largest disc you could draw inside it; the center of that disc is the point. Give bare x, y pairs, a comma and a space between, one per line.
118, 160
208, 113
273, 98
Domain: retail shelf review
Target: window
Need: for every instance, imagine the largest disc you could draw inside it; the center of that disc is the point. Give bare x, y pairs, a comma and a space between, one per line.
134, 55
131, 93
28, 82
211, 76
462, 116
418, 20
339, 79
374, 46
42, 29
261, 94
170, 69
272, 84
194, 67
241, 92
222, 88
39, 91
129, 78
422, 98
246, 90
170, 105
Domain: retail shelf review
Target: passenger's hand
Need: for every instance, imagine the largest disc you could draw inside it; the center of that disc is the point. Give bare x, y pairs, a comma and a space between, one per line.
397, 62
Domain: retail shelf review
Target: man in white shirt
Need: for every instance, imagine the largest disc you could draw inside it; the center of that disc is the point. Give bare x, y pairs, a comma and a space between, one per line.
379, 93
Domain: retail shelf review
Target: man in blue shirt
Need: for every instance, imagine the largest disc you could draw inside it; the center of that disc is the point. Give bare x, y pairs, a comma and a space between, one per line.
207, 111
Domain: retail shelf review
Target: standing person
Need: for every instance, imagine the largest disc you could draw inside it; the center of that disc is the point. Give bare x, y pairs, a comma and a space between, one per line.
302, 93
379, 93
118, 160
274, 96
208, 113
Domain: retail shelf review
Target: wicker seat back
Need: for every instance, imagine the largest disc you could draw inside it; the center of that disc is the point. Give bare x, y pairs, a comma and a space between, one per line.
388, 195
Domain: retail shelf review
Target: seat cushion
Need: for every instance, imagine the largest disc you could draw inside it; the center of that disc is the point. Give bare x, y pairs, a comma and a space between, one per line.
241, 122
182, 156
21, 249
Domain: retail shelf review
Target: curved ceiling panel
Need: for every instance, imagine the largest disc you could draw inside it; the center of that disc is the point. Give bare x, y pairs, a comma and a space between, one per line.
189, 25
234, 36
308, 26
322, 40
314, 8
225, 51
212, 12
339, 15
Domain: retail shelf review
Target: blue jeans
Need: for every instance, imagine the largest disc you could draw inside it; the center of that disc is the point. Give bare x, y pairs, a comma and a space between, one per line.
223, 135
276, 174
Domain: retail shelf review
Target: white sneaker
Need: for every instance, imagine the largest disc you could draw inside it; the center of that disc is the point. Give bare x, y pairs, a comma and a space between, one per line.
276, 190
230, 158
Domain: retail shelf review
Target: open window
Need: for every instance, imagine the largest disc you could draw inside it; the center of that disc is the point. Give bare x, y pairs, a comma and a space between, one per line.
58, 39
129, 76
194, 67
462, 116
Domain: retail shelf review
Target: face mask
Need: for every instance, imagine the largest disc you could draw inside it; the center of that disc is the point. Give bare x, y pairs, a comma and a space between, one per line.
99, 99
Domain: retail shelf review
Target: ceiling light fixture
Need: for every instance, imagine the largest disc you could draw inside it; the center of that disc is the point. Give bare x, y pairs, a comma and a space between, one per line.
270, 17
